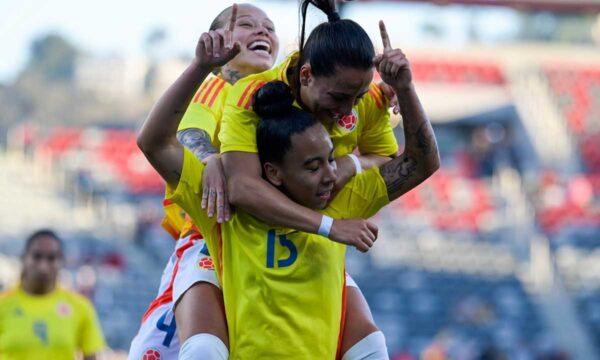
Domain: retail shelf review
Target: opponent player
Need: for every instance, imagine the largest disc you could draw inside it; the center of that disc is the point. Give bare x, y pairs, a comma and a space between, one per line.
41, 320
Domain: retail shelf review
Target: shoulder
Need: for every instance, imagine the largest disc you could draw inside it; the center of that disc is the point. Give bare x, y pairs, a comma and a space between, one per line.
241, 93
8, 295
210, 90
374, 99
78, 301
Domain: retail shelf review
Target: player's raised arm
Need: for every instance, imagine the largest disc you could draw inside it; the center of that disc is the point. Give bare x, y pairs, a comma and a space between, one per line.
420, 158
158, 135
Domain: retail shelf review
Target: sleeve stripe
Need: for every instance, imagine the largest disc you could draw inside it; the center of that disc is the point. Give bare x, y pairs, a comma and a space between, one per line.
216, 93
209, 89
376, 97
201, 90
243, 97
251, 97
282, 73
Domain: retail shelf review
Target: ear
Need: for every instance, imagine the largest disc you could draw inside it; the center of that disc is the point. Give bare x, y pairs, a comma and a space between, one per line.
305, 74
273, 174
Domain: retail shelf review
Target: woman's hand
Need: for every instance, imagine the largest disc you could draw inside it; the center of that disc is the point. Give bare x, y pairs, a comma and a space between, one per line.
214, 189
393, 65
216, 47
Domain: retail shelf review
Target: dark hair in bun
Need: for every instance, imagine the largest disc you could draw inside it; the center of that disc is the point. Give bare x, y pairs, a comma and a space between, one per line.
279, 121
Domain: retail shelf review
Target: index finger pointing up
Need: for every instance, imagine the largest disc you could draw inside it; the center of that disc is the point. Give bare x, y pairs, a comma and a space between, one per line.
384, 36
234, 10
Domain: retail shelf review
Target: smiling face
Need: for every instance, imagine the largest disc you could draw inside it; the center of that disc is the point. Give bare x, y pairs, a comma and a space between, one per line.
256, 34
331, 97
308, 171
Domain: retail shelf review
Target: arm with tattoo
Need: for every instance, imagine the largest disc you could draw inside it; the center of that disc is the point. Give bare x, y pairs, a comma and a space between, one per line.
198, 142
420, 158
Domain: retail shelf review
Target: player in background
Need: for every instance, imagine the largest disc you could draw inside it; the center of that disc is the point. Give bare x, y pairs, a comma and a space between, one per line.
41, 320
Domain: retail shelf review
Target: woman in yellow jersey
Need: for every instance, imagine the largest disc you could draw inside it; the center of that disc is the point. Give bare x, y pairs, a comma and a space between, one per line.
41, 320
284, 289
413, 173
186, 284
330, 77
189, 300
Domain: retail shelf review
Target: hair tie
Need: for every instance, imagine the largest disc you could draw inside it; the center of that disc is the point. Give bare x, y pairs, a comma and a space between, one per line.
333, 17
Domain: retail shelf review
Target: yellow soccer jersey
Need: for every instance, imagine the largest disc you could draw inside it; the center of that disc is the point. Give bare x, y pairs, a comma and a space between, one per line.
283, 289
368, 128
206, 108
55, 326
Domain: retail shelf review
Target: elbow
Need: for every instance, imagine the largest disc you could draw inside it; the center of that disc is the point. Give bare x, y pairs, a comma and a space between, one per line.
141, 143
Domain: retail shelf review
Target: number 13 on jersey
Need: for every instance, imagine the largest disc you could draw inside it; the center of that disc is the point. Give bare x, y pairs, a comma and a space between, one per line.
273, 248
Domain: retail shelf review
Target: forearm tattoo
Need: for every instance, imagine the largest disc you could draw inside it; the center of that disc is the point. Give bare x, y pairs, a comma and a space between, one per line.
399, 175
198, 142
424, 138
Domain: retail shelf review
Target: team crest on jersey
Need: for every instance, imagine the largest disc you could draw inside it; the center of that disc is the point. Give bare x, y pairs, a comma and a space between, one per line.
348, 122
63, 309
204, 260
151, 354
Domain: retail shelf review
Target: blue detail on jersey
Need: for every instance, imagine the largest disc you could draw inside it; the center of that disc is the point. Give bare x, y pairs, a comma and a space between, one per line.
169, 329
284, 242
270, 248
40, 329
205, 250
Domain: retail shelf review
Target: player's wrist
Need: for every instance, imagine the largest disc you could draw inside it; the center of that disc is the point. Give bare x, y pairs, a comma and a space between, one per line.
325, 226
403, 88
201, 68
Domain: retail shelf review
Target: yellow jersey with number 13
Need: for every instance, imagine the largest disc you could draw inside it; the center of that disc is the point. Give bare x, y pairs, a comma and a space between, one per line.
283, 289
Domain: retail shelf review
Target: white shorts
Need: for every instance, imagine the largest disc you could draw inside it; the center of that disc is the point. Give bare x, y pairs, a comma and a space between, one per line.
189, 264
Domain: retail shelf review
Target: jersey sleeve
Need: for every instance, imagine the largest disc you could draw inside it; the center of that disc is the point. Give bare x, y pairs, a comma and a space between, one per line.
238, 126
204, 110
362, 197
377, 137
91, 339
188, 194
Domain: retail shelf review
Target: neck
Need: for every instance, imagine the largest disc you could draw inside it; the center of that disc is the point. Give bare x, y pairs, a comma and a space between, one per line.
35, 288
231, 75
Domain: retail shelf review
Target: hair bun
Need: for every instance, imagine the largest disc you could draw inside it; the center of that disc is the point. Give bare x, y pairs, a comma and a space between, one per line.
273, 99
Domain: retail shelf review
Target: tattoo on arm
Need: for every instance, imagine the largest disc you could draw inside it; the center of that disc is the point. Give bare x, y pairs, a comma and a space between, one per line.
424, 138
198, 142
400, 175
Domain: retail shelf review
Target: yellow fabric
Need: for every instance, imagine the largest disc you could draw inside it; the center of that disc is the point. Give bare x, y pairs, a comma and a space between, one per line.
372, 133
55, 326
204, 112
206, 108
282, 289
